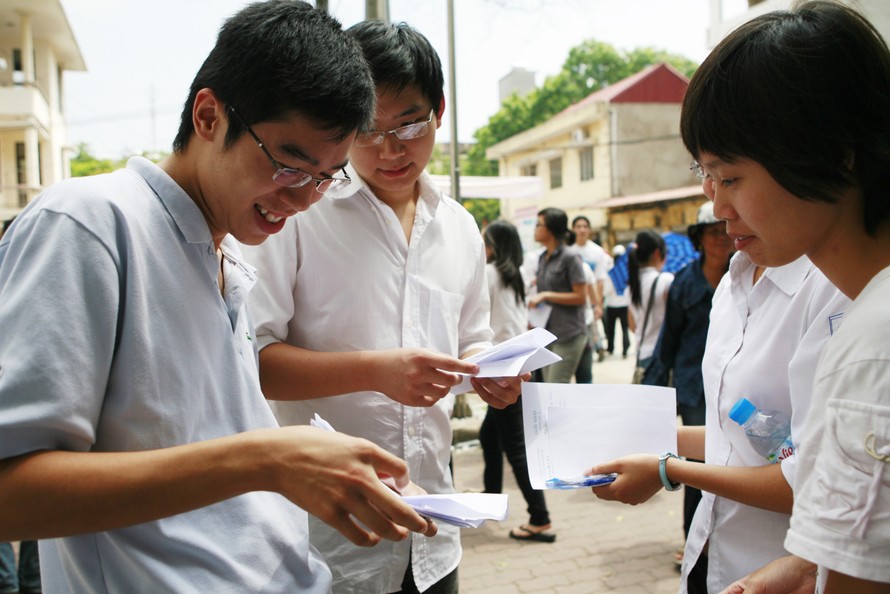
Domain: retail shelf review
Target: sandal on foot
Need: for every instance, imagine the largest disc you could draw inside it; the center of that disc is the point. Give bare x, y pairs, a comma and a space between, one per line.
525, 533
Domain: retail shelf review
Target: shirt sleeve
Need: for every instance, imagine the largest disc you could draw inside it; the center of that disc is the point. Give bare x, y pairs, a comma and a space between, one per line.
271, 302
841, 516
576, 270
60, 298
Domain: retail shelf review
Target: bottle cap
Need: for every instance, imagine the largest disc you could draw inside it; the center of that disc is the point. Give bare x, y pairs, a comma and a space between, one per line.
742, 411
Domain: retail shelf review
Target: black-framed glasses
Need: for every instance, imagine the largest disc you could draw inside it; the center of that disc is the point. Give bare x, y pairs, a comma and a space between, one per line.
290, 177
696, 169
408, 132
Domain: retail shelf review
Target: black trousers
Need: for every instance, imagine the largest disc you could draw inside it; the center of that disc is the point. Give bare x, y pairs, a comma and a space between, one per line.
612, 315
502, 434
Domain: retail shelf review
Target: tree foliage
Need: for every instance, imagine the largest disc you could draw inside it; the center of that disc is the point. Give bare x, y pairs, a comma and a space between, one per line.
85, 163
589, 67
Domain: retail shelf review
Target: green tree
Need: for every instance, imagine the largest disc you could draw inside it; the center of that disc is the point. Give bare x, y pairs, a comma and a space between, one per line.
588, 68
84, 163
484, 210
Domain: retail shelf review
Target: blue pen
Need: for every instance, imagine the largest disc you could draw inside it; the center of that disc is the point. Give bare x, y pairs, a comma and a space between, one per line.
595, 480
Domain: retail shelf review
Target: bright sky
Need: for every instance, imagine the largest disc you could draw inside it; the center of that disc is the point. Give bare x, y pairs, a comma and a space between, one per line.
141, 56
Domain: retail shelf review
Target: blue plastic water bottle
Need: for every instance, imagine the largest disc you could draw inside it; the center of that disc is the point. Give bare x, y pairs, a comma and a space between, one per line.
768, 431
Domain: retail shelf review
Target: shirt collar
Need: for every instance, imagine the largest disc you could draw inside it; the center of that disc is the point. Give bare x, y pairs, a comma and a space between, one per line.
183, 210
788, 278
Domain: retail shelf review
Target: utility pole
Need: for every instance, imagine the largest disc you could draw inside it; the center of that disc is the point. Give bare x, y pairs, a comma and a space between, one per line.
154, 120
452, 84
377, 10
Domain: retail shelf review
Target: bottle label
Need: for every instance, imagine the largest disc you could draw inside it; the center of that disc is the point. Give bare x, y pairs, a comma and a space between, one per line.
782, 452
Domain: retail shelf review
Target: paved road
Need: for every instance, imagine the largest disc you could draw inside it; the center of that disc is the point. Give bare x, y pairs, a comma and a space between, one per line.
601, 546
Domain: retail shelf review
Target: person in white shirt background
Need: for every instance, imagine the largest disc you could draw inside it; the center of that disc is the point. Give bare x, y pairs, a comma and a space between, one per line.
599, 262
648, 287
501, 432
367, 301
797, 164
615, 310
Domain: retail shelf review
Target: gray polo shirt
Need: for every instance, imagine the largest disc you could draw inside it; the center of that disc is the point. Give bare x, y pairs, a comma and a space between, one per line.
115, 339
559, 272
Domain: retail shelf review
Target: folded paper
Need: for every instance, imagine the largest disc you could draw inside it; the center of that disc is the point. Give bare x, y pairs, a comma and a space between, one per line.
467, 510
518, 355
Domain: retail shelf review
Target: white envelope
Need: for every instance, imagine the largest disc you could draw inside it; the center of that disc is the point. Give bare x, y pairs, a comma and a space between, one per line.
518, 355
571, 427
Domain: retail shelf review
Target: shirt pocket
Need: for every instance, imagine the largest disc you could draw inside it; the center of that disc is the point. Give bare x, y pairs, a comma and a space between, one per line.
442, 312
853, 470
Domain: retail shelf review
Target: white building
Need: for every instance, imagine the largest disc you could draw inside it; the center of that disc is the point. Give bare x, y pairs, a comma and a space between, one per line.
36, 47
726, 16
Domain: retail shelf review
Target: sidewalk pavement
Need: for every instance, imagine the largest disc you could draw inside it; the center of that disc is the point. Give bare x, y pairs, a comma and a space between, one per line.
601, 546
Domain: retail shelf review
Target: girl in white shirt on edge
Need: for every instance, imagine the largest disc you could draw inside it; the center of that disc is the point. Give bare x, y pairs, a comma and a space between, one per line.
644, 264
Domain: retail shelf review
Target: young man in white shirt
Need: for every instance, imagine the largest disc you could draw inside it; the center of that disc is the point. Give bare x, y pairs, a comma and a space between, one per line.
369, 301
135, 442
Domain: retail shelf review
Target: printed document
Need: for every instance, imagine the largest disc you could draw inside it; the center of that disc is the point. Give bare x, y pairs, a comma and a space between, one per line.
571, 427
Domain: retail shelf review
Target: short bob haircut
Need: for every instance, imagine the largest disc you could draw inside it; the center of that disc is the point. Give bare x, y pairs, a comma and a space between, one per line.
804, 93
279, 58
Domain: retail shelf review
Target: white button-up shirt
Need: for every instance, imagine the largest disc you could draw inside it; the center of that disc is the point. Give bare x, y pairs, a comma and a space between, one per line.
841, 514
342, 277
763, 344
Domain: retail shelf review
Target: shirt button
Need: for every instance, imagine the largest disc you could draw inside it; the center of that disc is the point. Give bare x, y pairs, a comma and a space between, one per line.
411, 431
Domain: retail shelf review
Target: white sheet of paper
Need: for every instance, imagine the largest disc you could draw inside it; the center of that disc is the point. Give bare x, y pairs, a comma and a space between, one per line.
518, 355
467, 510
538, 315
571, 427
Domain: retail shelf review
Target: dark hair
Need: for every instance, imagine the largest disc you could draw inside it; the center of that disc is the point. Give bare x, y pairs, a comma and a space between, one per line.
557, 222
399, 57
646, 243
580, 218
276, 58
804, 93
506, 247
